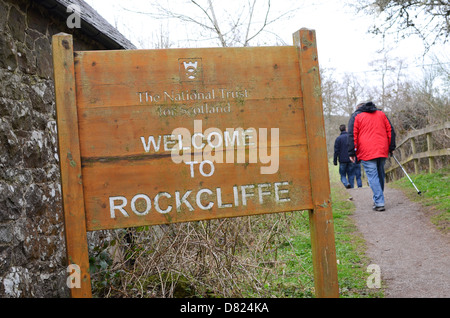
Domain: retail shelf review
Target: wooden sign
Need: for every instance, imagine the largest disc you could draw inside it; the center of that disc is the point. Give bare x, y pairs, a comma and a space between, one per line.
152, 137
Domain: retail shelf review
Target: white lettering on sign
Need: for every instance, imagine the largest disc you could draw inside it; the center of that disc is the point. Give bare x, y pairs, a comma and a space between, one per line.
204, 199
201, 168
210, 146
118, 207
180, 200
203, 109
193, 102
147, 205
157, 205
150, 97
151, 141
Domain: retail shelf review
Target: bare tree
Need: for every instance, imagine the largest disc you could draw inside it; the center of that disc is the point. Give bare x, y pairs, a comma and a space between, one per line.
443, 70
330, 92
391, 79
352, 92
236, 25
428, 19
331, 100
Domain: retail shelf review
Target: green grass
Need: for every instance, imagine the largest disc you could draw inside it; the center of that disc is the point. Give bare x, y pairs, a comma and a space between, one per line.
296, 278
350, 246
435, 195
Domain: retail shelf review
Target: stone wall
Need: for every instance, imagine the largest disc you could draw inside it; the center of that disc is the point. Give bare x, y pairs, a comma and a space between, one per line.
32, 247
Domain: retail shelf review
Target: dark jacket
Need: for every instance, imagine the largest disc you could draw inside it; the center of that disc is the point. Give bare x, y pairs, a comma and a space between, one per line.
341, 149
371, 134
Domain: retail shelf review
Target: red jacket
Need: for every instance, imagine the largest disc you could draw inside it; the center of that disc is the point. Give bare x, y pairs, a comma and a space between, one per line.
371, 134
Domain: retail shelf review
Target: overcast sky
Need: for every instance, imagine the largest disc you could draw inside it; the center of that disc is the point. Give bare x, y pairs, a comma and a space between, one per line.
343, 41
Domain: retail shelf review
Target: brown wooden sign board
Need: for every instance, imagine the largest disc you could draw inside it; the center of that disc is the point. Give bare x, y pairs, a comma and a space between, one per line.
152, 137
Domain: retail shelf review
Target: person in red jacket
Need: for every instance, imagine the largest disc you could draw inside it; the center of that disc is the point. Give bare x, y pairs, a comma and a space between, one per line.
371, 139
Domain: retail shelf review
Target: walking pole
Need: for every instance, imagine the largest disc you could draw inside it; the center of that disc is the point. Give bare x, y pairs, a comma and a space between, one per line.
418, 191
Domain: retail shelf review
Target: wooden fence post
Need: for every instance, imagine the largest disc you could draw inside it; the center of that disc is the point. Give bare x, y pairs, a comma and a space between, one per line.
321, 217
416, 163
430, 148
70, 164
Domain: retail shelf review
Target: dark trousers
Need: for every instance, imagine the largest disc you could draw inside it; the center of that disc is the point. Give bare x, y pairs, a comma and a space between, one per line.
347, 172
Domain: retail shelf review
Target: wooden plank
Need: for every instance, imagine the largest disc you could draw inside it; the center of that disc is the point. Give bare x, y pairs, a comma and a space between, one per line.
70, 162
147, 96
422, 155
413, 149
429, 150
423, 131
123, 74
321, 218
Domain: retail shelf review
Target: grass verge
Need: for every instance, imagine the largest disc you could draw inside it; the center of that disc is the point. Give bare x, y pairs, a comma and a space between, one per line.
435, 195
295, 253
350, 246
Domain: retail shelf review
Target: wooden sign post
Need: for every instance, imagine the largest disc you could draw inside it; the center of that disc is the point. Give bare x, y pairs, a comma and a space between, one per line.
151, 137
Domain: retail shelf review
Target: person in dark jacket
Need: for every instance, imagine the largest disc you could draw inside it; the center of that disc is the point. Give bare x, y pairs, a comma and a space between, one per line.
371, 138
357, 170
346, 166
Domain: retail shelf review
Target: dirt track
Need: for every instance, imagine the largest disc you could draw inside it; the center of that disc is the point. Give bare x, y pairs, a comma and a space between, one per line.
413, 256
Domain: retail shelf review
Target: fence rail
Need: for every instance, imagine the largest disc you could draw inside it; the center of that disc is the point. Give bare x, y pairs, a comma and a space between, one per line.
430, 153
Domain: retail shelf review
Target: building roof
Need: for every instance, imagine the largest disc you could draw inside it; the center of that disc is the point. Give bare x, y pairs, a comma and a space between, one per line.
92, 23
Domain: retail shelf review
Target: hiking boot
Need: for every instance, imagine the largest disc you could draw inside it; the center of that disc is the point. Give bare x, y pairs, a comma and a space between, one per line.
348, 186
378, 208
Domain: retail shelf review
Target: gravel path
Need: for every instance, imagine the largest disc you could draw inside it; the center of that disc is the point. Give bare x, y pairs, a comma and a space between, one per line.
413, 256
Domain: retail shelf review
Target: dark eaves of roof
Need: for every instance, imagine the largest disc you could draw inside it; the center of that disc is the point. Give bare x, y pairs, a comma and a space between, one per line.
92, 23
